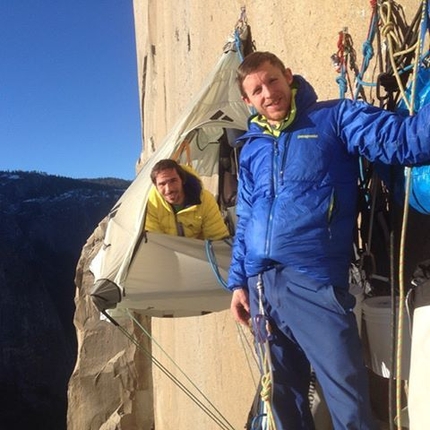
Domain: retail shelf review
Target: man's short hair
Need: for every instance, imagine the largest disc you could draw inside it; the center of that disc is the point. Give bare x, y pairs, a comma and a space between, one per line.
252, 62
167, 164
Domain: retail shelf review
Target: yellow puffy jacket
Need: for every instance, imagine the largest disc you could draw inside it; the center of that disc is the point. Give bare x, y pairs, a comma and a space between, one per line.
200, 219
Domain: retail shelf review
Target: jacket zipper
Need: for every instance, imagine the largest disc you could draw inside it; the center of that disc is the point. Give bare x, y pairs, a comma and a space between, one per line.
284, 158
179, 226
275, 193
277, 178
331, 209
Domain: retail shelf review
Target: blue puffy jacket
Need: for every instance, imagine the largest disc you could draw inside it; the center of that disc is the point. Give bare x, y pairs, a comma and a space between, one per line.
297, 193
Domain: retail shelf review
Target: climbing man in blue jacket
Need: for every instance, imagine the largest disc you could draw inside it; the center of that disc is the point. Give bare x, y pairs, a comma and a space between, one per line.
293, 243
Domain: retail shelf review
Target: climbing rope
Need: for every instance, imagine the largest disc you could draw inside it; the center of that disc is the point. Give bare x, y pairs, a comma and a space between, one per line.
404, 47
210, 255
345, 54
209, 409
393, 42
262, 333
368, 53
346, 58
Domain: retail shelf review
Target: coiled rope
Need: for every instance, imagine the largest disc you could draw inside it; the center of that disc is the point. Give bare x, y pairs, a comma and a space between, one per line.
397, 52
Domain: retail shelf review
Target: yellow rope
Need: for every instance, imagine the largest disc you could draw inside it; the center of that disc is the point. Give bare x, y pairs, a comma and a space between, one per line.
263, 348
393, 40
266, 392
400, 329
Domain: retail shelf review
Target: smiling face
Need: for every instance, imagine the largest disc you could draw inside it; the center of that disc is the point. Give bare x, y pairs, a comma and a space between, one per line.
268, 90
169, 184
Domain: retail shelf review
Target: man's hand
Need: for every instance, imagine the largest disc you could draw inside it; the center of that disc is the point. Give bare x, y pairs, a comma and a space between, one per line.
240, 306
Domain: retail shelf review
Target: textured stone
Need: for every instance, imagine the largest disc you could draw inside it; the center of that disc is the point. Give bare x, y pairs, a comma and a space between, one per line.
178, 43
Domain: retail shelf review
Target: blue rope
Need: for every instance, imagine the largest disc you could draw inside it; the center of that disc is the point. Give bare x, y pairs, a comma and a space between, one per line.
213, 263
368, 54
238, 43
363, 84
343, 86
257, 423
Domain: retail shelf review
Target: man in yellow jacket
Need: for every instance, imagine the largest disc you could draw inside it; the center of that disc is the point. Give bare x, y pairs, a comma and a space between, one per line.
178, 204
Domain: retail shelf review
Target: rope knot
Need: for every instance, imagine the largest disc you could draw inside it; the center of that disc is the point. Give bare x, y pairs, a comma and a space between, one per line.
387, 28
341, 80
266, 387
368, 50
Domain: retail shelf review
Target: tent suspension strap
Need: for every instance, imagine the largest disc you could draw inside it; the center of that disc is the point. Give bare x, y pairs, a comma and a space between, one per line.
241, 24
221, 421
185, 147
131, 316
248, 350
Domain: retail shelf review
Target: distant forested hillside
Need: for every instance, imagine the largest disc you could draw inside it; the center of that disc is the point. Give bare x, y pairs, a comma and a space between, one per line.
44, 223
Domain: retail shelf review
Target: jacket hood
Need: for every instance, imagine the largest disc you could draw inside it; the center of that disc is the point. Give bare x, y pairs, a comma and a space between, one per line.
193, 186
306, 95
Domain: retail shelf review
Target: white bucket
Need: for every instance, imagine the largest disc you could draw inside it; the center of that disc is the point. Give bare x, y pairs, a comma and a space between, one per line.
358, 308
377, 319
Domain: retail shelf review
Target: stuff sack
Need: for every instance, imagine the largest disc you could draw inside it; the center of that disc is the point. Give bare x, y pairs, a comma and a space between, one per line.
394, 176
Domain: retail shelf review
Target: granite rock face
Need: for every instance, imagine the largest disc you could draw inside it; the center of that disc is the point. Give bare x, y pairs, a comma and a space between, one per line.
114, 385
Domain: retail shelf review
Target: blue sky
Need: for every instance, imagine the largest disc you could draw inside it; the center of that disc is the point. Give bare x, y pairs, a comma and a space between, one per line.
69, 102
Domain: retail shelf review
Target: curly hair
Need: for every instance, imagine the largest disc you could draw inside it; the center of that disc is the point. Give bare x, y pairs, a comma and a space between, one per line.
167, 164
